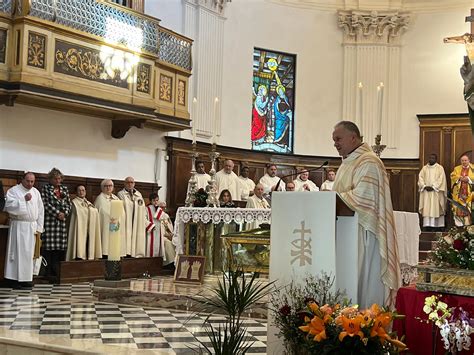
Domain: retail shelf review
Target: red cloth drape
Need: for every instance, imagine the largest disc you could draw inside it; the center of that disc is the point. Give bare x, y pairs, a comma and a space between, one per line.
418, 337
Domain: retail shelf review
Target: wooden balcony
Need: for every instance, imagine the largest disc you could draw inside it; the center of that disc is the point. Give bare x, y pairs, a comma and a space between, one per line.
96, 58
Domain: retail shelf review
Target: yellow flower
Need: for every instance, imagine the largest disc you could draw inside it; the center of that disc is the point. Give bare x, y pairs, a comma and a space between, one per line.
315, 327
351, 326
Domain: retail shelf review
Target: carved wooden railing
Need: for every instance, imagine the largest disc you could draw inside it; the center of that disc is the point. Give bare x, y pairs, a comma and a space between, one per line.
96, 57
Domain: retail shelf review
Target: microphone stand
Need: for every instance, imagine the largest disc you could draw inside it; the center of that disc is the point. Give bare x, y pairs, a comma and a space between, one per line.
308, 170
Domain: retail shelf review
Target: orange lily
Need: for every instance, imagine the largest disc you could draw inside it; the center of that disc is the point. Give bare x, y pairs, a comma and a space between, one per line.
351, 326
381, 323
315, 327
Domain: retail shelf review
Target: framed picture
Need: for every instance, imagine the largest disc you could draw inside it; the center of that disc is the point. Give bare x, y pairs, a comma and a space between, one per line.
273, 101
190, 268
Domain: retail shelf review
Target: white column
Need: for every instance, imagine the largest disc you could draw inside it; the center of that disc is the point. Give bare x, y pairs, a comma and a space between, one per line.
372, 47
204, 23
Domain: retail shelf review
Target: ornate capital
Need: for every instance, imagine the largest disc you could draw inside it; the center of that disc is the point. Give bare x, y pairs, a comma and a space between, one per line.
366, 27
217, 6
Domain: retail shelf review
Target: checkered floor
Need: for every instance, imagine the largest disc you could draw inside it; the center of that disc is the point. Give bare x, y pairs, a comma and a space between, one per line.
70, 311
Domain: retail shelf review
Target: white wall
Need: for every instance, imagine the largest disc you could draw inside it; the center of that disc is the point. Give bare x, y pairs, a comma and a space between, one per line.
431, 82
38, 139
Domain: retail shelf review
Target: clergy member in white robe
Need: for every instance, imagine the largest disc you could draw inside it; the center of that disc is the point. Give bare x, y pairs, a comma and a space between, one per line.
270, 180
303, 183
102, 203
135, 218
84, 229
256, 201
159, 231
25, 207
226, 179
433, 193
363, 184
247, 183
329, 182
202, 178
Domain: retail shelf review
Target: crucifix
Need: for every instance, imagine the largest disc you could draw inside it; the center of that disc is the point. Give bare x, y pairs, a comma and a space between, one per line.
465, 38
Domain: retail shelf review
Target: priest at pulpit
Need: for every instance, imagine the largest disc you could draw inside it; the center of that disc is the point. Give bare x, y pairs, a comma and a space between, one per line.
363, 184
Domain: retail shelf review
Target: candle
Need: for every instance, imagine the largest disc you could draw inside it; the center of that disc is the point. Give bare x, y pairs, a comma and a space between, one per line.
116, 213
379, 107
194, 111
361, 117
215, 132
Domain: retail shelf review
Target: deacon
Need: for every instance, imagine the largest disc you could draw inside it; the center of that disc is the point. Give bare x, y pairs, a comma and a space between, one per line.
433, 193
57, 207
270, 180
202, 177
135, 218
159, 231
328, 184
362, 182
462, 178
303, 183
103, 203
247, 184
226, 179
25, 207
84, 229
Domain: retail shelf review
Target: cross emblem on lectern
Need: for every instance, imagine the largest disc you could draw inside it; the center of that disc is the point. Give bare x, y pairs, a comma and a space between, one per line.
303, 251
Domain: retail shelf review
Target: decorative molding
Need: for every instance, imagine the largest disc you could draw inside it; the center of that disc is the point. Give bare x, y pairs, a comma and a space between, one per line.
372, 26
36, 50
166, 88
181, 97
86, 63
447, 130
143, 77
3, 44
216, 6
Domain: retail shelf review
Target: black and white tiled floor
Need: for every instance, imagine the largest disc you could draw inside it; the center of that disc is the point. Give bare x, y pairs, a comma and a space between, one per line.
70, 311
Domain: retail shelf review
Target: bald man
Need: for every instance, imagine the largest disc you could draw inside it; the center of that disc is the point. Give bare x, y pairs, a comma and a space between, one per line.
135, 218
226, 179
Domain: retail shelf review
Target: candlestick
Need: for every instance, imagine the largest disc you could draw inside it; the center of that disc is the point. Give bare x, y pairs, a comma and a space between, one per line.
361, 117
379, 107
194, 119
116, 212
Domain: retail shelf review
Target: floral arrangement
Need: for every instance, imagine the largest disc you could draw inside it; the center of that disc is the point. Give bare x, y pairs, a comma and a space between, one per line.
313, 320
200, 198
455, 325
455, 249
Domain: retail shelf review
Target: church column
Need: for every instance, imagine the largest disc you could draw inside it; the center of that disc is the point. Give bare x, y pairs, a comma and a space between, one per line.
204, 23
372, 52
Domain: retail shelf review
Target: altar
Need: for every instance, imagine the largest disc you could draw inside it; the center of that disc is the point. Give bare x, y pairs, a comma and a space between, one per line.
198, 230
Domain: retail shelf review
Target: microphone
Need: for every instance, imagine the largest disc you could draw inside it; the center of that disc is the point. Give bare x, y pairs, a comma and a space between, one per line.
308, 170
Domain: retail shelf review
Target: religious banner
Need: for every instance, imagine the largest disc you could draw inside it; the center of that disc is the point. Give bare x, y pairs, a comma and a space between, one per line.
273, 101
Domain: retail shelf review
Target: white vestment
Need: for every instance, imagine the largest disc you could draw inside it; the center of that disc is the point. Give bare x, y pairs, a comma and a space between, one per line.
135, 219
84, 229
432, 203
102, 203
327, 185
247, 187
26, 219
228, 182
268, 182
363, 184
202, 181
255, 202
299, 185
159, 234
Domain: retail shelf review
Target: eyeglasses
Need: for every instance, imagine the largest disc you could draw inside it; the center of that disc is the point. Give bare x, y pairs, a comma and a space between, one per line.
108, 185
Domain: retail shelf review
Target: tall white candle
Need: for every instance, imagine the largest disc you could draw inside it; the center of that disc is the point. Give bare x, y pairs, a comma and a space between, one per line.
361, 112
379, 107
216, 128
115, 244
194, 113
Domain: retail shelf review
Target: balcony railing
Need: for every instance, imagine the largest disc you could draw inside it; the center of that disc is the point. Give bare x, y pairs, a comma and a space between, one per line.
111, 23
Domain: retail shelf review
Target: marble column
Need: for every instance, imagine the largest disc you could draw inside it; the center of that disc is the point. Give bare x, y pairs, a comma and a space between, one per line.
372, 50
